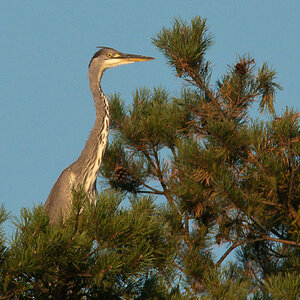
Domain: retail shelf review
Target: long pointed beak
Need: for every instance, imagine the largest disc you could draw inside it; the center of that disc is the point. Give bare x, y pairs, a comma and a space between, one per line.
132, 57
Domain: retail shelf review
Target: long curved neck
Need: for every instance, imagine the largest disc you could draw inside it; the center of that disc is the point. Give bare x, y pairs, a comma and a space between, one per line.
87, 166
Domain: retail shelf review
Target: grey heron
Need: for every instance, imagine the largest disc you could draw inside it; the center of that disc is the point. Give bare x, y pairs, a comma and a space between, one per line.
84, 171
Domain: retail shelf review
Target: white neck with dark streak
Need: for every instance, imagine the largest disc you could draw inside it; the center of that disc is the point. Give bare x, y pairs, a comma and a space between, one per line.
86, 168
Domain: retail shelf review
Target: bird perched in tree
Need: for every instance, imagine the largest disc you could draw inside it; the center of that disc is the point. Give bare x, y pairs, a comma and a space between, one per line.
84, 171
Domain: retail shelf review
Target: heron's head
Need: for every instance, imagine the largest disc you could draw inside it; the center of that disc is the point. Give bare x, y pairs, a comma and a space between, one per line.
107, 58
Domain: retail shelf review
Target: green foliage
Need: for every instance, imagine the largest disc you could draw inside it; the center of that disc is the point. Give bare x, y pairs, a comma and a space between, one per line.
284, 286
152, 121
226, 283
267, 87
104, 252
3, 217
186, 45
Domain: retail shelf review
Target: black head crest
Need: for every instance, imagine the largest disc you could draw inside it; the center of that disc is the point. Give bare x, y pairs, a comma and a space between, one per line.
99, 52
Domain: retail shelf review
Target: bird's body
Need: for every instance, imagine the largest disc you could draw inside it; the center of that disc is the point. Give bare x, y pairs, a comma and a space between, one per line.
84, 171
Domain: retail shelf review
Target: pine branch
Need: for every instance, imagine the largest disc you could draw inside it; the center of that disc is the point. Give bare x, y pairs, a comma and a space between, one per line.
246, 241
154, 191
293, 243
159, 175
199, 81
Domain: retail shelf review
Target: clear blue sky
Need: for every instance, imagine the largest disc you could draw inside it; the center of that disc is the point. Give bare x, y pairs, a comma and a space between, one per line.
46, 107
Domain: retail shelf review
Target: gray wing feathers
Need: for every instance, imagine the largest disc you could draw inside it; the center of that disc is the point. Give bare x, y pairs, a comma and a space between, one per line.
59, 199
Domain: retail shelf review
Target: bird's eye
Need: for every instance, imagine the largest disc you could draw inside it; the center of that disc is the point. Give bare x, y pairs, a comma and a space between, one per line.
109, 54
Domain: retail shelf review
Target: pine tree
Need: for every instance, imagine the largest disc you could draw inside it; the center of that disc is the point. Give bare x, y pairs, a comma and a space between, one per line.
102, 252
221, 178
228, 179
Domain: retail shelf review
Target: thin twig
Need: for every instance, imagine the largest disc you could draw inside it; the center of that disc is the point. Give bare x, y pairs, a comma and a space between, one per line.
162, 182
291, 184
268, 238
155, 191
